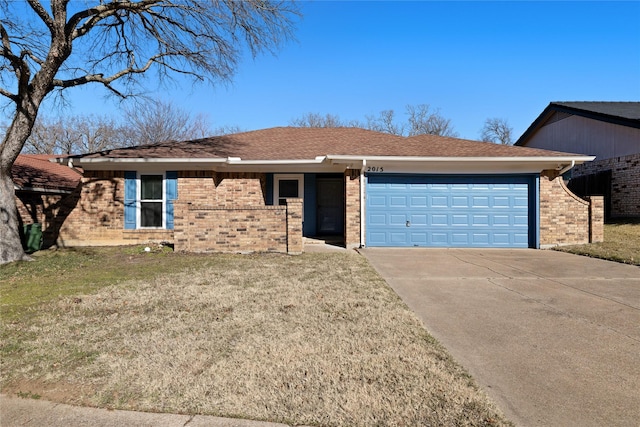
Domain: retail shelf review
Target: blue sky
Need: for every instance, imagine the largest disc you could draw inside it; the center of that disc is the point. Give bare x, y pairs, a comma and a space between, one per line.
470, 60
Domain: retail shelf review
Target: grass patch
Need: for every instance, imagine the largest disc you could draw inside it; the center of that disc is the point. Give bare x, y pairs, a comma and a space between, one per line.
317, 339
24, 285
621, 243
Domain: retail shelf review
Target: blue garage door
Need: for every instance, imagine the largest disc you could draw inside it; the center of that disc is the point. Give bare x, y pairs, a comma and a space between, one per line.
450, 211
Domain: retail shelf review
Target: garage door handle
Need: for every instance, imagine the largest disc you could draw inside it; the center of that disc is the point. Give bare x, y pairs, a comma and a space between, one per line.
408, 223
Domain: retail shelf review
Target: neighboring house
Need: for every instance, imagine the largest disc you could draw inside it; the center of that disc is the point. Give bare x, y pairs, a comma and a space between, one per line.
608, 130
46, 193
266, 190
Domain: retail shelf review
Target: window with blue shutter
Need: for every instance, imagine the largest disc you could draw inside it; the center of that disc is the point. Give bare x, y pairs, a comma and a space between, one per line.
145, 198
130, 195
172, 194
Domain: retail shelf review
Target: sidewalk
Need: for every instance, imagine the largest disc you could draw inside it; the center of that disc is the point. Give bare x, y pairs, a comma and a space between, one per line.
16, 412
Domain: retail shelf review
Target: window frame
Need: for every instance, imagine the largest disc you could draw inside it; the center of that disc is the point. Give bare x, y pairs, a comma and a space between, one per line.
139, 200
287, 177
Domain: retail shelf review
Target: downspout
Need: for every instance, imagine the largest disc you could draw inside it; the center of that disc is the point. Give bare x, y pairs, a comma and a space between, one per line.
362, 204
566, 168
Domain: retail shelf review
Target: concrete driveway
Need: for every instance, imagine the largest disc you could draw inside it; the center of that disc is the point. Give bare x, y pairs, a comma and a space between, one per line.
553, 338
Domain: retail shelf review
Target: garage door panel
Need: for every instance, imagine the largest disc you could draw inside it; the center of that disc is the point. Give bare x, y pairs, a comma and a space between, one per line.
377, 219
481, 238
459, 202
397, 219
463, 211
398, 238
439, 201
419, 239
439, 220
377, 201
439, 239
418, 219
459, 239
458, 220
398, 201
418, 201
480, 220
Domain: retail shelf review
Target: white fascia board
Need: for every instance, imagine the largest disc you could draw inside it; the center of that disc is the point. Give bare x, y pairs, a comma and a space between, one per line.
106, 163
226, 164
239, 161
459, 165
93, 160
540, 159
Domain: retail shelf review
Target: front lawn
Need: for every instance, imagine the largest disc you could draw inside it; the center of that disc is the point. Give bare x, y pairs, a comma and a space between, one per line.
621, 243
317, 339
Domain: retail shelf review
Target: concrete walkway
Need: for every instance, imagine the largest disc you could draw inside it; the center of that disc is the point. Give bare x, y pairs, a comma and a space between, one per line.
553, 338
16, 412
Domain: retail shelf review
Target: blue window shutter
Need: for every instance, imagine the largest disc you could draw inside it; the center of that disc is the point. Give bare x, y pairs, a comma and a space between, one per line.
130, 193
172, 194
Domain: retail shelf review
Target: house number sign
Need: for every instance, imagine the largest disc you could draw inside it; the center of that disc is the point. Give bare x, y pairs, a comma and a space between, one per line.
375, 168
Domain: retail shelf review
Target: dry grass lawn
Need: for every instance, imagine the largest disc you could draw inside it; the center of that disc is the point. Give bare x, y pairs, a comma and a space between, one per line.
621, 243
317, 339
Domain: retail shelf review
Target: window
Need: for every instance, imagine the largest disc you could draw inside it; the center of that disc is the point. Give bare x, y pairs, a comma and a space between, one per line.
151, 200
287, 187
148, 201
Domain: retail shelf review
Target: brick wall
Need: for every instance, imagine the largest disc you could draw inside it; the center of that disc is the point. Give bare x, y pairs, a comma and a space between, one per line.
596, 218
566, 219
352, 208
50, 210
295, 242
98, 217
208, 228
221, 212
625, 182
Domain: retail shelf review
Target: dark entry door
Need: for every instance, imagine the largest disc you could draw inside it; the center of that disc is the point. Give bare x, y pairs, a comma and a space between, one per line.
330, 209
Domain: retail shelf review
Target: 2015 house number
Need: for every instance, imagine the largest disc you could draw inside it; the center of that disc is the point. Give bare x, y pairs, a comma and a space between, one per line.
375, 168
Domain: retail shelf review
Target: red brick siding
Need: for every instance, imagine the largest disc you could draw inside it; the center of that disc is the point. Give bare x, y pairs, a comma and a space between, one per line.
214, 212
625, 182
566, 219
596, 219
50, 210
352, 208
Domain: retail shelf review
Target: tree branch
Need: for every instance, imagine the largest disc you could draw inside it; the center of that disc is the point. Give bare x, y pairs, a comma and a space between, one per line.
99, 78
98, 13
42, 13
11, 96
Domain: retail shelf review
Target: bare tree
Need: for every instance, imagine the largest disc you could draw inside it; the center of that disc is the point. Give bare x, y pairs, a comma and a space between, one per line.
424, 121
62, 44
315, 120
226, 130
384, 122
73, 135
160, 121
44, 137
497, 131
421, 120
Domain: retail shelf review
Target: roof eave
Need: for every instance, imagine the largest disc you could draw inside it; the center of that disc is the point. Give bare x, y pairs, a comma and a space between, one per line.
559, 107
332, 162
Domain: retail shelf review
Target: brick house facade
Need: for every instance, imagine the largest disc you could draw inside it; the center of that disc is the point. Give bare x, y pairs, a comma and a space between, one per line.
610, 131
622, 177
45, 193
259, 199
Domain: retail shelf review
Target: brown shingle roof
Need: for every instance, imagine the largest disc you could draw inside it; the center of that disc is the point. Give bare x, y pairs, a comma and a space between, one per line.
35, 171
290, 143
439, 146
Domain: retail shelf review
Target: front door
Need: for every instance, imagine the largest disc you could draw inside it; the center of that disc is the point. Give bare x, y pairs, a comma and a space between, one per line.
330, 206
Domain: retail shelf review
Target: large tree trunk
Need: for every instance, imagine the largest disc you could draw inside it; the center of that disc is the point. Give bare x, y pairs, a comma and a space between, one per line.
17, 133
10, 243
